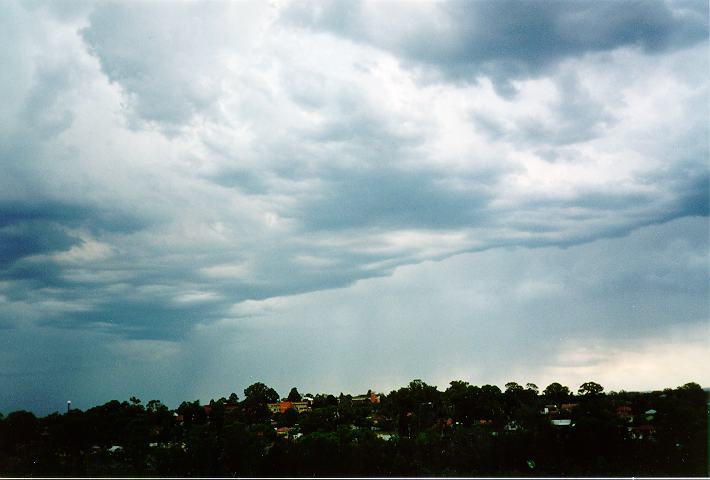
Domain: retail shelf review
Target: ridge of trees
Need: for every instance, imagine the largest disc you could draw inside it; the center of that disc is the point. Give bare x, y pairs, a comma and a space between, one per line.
412, 431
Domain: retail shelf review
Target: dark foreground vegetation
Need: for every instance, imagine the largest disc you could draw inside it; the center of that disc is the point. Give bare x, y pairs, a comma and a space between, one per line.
414, 431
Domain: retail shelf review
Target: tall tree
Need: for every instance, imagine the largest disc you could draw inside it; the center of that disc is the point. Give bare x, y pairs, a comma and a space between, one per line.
294, 396
260, 394
590, 388
556, 393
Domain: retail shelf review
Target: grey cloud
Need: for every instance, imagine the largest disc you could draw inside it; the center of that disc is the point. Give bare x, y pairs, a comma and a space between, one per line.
577, 117
123, 38
40, 112
488, 317
29, 238
169, 69
40, 227
337, 190
512, 39
151, 318
393, 198
488, 314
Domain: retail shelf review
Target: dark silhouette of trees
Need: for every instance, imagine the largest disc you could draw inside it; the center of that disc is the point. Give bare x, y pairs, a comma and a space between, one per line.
556, 393
590, 388
260, 394
294, 396
415, 430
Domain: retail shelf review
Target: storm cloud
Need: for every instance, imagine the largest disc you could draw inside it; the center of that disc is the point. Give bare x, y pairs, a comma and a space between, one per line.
177, 178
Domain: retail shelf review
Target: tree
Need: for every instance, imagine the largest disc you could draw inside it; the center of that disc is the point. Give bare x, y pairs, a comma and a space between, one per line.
233, 398
294, 396
556, 393
192, 412
21, 427
590, 388
260, 394
532, 387
513, 387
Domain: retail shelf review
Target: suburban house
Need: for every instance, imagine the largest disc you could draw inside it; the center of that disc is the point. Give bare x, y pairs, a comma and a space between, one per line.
561, 422
642, 432
370, 396
625, 413
281, 407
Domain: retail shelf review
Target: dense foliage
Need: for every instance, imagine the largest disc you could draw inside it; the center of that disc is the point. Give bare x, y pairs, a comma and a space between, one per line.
414, 431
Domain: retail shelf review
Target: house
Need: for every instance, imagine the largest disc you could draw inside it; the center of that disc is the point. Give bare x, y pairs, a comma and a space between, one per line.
642, 432
562, 422
370, 396
625, 413
512, 426
568, 407
281, 407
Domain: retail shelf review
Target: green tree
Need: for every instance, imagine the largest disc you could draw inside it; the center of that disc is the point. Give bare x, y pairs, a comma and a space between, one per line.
556, 393
294, 396
590, 388
257, 396
260, 394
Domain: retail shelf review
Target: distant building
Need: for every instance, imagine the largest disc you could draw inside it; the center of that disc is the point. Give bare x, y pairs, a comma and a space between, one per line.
281, 407
625, 413
370, 396
642, 432
568, 407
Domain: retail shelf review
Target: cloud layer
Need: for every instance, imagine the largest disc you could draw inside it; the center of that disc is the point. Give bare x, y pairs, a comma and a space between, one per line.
165, 166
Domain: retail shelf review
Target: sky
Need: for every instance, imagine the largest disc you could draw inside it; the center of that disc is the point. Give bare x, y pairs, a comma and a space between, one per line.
343, 196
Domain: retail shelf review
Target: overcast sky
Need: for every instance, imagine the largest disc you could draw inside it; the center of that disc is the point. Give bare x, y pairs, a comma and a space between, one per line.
349, 195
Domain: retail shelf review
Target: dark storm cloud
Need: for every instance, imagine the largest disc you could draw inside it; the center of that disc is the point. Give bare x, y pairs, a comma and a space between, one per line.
385, 197
511, 38
30, 228
168, 170
152, 318
691, 183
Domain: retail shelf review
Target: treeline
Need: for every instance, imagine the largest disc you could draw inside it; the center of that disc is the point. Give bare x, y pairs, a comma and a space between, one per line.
416, 430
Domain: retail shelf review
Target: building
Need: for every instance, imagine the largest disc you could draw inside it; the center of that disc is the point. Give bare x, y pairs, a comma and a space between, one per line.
370, 396
568, 407
625, 413
642, 432
561, 422
281, 407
